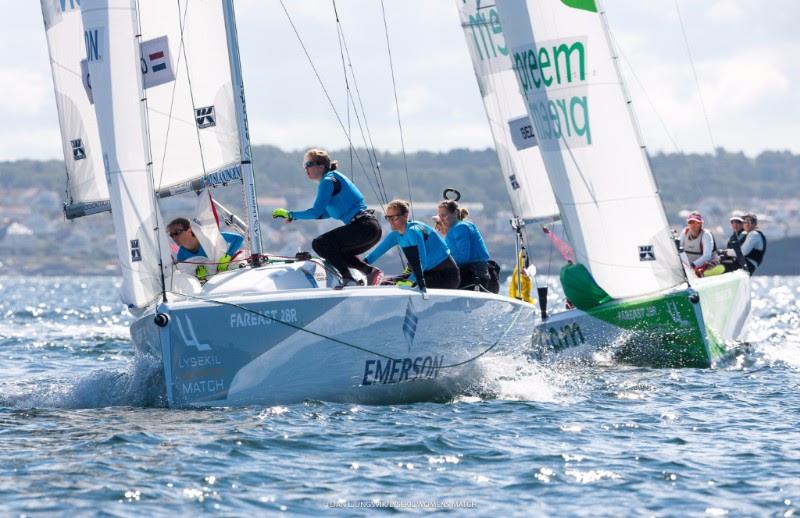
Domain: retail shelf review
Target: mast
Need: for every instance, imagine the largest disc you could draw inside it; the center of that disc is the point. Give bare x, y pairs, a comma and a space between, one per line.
248, 178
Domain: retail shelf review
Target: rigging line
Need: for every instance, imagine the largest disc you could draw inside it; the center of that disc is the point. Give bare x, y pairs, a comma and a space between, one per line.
648, 98
397, 106
350, 344
371, 146
373, 155
169, 114
149, 168
325, 91
696, 80
348, 96
189, 81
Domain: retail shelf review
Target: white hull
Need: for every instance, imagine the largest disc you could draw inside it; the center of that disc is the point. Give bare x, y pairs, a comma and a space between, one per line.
358, 345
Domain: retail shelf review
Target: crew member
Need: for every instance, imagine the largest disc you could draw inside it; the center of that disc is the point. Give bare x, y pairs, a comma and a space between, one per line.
338, 197
698, 243
732, 258
180, 230
755, 245
466, 246
425, 251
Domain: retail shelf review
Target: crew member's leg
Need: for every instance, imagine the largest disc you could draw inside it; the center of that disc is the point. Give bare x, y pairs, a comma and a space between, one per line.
474, 274
340, 245
443, 276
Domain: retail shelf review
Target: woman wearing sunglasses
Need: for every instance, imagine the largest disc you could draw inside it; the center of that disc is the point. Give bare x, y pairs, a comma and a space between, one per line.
338, 197
425, 250
180, 230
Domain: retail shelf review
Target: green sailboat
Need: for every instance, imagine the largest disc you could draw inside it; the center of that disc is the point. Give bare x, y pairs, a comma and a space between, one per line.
631, 293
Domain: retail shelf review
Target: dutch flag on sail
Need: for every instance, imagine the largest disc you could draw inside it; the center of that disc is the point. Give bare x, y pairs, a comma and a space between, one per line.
410, 324
157, 62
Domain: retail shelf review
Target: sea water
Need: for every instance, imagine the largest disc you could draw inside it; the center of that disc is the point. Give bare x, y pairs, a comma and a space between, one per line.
84, 430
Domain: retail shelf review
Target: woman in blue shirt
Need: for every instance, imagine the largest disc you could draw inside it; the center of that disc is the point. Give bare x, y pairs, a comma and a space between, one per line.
180, 230
466, 245
425, 251
338, 197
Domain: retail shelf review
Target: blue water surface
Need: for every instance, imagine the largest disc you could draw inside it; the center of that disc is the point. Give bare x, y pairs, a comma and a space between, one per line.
84, 430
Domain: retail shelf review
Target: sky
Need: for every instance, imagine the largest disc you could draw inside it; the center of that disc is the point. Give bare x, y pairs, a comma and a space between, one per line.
745, 54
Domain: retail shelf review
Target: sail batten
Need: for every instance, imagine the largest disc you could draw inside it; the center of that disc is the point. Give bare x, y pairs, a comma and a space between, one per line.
565, 69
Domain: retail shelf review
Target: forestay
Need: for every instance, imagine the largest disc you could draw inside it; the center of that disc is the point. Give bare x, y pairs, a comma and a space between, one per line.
608, 200
112, 51
87, 191
515, 141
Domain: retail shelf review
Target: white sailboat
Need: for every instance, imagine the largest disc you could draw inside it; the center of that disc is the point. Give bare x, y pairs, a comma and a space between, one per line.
167, 95
630, 289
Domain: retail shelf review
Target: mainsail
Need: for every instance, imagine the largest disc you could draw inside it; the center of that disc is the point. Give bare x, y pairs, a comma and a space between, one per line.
194, 135
87, 191
191, 109
515, 141
608, 200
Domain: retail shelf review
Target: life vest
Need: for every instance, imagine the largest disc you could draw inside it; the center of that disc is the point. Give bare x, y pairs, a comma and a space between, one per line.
694, 247
525, 281
755, 255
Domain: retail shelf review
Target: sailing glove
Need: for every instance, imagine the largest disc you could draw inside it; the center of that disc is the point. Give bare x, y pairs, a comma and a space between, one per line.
223, 263
404, 283
282, 213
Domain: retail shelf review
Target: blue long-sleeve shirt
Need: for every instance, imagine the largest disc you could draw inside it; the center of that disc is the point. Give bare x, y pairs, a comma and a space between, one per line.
466, 244
234, 244
432, 250
343, 205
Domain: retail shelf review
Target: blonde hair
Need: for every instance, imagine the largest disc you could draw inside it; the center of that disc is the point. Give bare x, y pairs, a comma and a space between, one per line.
321, 157
453, 208
400, 205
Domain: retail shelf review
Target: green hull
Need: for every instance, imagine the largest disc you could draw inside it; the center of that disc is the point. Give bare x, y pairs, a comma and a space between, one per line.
681, 328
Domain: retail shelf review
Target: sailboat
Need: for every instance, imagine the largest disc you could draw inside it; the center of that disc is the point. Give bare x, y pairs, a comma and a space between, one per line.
154, 91
631, 293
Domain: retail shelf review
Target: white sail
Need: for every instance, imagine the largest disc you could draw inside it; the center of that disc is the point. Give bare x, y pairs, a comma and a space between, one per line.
524, 173
608, 200
112, 50
87, 191
191, 108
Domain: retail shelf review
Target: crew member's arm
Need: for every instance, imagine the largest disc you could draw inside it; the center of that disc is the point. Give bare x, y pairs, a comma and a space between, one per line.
388, 242
708, 250
319, 210
750, 242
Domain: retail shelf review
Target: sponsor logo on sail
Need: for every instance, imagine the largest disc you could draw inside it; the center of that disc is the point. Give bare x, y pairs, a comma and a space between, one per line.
78, 151
94, 39
136, 251
69, 5
646, 253
552, 78
223, 176
205, 117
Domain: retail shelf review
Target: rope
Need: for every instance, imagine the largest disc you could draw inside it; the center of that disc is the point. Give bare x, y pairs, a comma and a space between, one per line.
397, 107
696, 80
327, 95
350, 344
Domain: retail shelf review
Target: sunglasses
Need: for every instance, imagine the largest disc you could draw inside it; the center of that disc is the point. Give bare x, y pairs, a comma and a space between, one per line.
392, 217
310, 163
176, 233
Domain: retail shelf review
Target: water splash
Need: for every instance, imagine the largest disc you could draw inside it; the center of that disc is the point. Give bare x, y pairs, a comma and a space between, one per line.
141, 384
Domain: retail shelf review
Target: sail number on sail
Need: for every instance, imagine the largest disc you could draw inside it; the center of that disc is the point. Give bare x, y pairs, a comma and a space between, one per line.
552, 79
